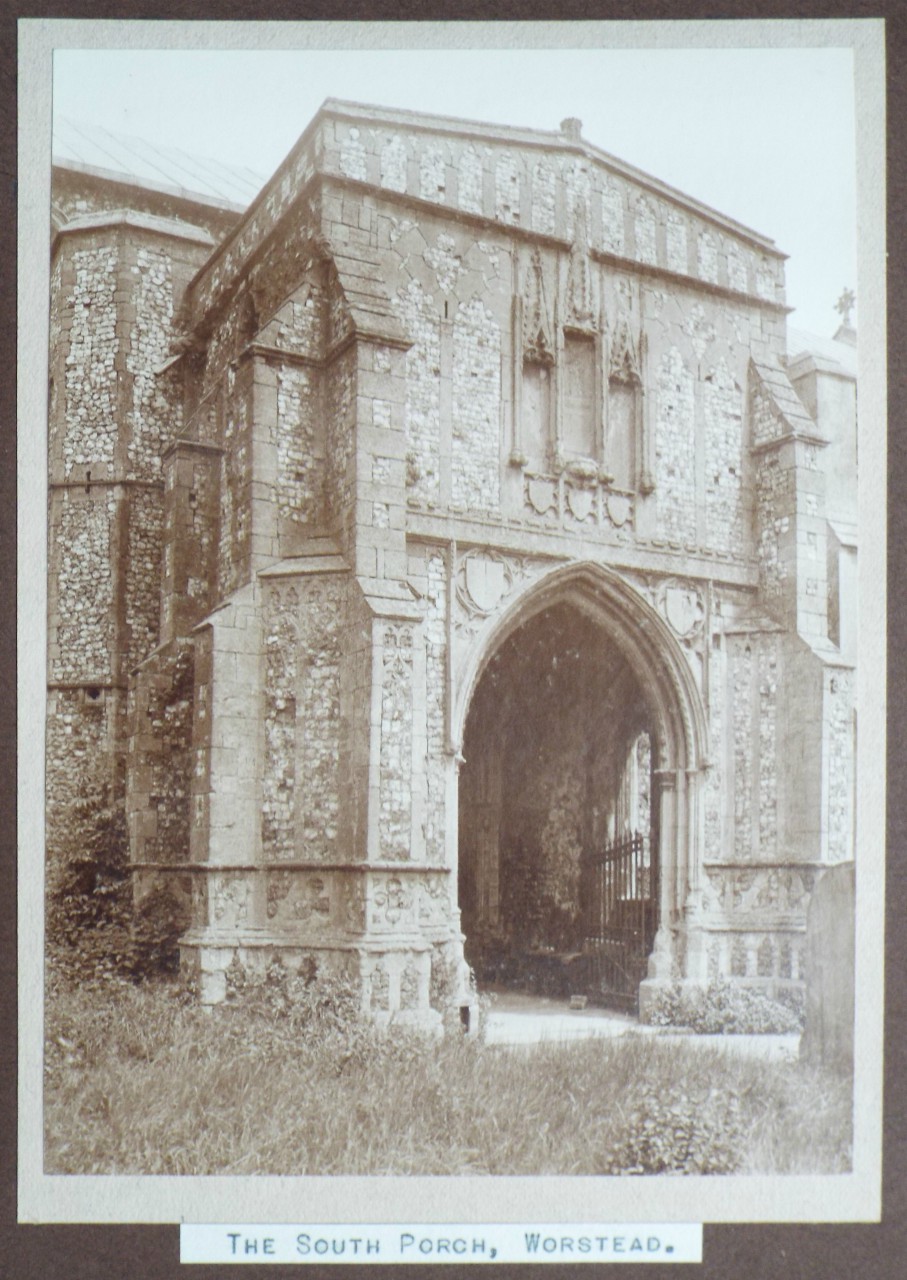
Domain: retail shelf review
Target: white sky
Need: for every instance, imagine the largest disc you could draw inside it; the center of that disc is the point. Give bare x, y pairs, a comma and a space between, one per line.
763, 135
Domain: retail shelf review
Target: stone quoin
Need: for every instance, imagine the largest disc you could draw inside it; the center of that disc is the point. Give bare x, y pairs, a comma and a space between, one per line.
457, 509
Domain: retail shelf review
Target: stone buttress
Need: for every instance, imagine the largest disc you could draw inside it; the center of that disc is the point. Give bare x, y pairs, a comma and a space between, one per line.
493, 524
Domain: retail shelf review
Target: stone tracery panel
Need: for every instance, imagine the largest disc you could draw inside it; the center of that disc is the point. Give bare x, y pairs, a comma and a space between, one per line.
423, 405
674, 432
395, 802
723, 426
476, 447
612, 205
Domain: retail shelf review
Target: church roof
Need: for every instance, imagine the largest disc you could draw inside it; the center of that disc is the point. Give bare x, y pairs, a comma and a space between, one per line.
93, 149
826, 352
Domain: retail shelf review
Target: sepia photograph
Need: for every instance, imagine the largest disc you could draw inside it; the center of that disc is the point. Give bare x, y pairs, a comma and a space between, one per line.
464, 574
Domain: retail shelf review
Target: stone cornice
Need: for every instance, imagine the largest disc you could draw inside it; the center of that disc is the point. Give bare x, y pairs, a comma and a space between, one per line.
168, 227
518, 537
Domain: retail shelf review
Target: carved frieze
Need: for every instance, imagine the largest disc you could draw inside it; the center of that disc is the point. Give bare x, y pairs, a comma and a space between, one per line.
753, 954
379, 985
278, 888
230, 901
313, 901
381, 901
580, 502
433, 900
390, 902
306, 898
355, 904
575, 497
409, 986
761, 891
619, 507
541, 494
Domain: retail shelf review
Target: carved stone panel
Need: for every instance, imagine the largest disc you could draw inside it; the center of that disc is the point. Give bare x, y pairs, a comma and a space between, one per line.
538, 345
580, 303
683, 608
390, 903
230, 897
484, 582
774, 893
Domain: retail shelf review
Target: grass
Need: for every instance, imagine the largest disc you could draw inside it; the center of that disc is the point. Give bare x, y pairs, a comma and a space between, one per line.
139, 1079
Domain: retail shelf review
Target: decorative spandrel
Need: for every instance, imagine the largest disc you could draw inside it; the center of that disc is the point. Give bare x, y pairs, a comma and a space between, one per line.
486, 581
683, 608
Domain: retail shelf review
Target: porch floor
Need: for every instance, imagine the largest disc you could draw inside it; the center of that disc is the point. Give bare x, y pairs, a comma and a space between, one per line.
520, 1018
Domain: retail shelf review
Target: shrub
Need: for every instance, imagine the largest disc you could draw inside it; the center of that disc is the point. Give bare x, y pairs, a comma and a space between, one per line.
92, 925
89, 898
724, 1009
157, 925
677, 1130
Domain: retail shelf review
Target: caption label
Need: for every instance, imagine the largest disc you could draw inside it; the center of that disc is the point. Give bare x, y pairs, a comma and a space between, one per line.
441, 1242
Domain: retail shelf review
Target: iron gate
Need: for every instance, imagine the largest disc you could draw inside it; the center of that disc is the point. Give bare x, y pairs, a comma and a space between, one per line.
620, 893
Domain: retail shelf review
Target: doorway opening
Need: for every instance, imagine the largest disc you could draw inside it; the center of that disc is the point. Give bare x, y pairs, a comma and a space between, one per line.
558, 862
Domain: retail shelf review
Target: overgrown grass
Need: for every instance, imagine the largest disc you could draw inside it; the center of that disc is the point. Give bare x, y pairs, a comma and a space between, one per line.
138, 1079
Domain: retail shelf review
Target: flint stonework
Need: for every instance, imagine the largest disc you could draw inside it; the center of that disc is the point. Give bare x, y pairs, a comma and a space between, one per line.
456, 510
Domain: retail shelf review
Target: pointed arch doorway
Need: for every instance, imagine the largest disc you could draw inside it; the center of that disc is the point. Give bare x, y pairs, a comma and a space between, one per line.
578, 794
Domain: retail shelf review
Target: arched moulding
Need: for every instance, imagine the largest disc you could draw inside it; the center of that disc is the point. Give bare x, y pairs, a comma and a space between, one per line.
644, 638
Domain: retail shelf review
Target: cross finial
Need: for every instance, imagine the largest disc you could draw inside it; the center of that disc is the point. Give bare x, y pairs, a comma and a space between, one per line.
845, 305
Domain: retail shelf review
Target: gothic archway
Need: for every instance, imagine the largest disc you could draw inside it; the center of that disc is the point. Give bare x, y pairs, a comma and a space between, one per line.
580, 725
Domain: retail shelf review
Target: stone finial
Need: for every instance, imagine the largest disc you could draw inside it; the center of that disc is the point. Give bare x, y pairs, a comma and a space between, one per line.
845, 304
572, 128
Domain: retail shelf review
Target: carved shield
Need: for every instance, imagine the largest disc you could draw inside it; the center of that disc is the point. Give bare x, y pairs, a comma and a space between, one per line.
683, 609
541, 494
580, 502
619, 508
485, 581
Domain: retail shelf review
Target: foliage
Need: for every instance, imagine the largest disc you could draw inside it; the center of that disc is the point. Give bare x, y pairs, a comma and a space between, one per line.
89, 900
680, 1130
286, 1077
157, 925
92, 925
724, 1009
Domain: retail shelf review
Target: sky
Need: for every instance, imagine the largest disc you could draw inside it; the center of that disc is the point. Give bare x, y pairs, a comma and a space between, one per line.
765, 136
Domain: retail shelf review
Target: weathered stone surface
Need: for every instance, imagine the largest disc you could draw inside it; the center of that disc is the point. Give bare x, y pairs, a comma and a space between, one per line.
829, 1032
439, 387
